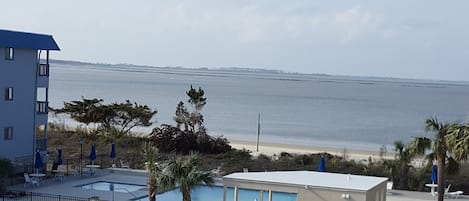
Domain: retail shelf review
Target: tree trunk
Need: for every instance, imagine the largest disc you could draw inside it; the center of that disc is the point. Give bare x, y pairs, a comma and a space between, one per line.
186, 194
405, 177
441, 175
151, 190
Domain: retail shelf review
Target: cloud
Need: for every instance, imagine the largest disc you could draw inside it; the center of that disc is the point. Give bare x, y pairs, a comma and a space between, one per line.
254, 24
354, 22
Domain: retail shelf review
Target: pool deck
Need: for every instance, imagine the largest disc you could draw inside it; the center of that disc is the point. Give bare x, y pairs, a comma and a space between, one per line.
67, 187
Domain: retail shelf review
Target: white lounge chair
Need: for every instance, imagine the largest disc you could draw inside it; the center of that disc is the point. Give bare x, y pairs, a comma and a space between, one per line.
389, 187
124, 165
28, 180
454, 194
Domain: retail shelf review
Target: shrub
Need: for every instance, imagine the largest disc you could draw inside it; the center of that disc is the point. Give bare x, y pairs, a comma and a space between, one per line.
168, 139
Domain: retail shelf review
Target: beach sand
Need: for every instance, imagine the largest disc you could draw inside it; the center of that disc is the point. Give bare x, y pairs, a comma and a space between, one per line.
270, 149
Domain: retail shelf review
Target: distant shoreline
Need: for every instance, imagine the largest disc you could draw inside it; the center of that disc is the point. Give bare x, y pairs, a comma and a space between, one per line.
260, 70
269, 148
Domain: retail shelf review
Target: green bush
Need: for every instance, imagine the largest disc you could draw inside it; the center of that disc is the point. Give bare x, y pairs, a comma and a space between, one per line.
169, 139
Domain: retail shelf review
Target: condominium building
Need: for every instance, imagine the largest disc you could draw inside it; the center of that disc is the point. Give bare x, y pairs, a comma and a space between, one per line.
24, 84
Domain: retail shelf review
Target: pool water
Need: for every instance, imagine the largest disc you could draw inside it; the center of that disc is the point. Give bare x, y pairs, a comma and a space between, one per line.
206, 193
118, 187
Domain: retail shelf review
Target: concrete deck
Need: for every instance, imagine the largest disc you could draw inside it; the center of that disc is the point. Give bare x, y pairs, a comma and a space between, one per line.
398, 195
67, 187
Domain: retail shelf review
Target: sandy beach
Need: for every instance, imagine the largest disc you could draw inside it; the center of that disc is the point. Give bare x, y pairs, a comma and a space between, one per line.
268, 148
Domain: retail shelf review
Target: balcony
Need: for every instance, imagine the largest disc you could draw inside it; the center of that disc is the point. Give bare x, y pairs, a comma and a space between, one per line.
43, 69
41, 144
43, 75
42, 107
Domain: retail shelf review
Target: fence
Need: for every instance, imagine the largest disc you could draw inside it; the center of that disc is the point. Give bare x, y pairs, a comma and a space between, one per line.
32, 196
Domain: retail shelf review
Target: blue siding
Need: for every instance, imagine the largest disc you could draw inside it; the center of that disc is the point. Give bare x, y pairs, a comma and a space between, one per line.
20, 74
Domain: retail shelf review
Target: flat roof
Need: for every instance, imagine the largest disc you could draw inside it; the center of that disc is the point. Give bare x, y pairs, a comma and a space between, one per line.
310, 178
26, 40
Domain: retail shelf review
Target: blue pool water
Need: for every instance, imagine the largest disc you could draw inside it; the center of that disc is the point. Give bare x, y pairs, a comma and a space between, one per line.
118, 187
205, 193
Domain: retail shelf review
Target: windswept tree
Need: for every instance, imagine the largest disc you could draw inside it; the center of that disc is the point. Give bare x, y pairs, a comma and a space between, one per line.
182, 117
441, 150
154, 170
192, 121
117, 119
186, 174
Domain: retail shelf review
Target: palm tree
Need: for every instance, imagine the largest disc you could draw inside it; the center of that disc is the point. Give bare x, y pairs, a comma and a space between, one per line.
154, 171
459, 141
399, 167
186, 174
440, 147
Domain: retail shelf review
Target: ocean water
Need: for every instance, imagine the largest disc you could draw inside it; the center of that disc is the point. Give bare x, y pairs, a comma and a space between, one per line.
318, 110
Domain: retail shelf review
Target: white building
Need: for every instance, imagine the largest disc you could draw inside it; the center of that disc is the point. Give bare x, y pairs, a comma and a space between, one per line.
307, 185
24, 84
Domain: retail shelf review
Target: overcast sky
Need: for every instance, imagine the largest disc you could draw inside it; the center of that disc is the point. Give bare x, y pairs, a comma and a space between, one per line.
399, 38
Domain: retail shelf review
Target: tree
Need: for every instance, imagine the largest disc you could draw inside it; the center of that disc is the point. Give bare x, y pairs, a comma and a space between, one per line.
399, 167
196, 98
192, 121
459, 141
117, 119
154, 170
186, 174
439, 146
182, 116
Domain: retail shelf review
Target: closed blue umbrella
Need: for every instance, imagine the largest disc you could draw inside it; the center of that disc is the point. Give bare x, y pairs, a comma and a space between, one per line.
434, 174
37, 161
92, 154
113, 152
59, 156
322, 164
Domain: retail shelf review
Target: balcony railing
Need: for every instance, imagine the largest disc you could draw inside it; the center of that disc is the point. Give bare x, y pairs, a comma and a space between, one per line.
42, 107
43, 69
41, 144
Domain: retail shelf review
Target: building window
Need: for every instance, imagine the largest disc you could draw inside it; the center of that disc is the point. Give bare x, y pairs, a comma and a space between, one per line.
9, 93
8, 133
9, 53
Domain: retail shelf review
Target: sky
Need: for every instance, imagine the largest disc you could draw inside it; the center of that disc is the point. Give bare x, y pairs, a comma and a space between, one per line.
401, 38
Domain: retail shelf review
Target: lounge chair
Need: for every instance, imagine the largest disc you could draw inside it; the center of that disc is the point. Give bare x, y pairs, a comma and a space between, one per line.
28, 180
58, 175
124, 165
389, 187
454, 194
216, 172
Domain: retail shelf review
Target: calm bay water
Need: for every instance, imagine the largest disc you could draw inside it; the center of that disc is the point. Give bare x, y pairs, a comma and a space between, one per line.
333, 111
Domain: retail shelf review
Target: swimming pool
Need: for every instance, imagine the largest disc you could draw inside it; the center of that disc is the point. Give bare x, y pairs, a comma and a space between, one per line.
118, 187
206, 193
